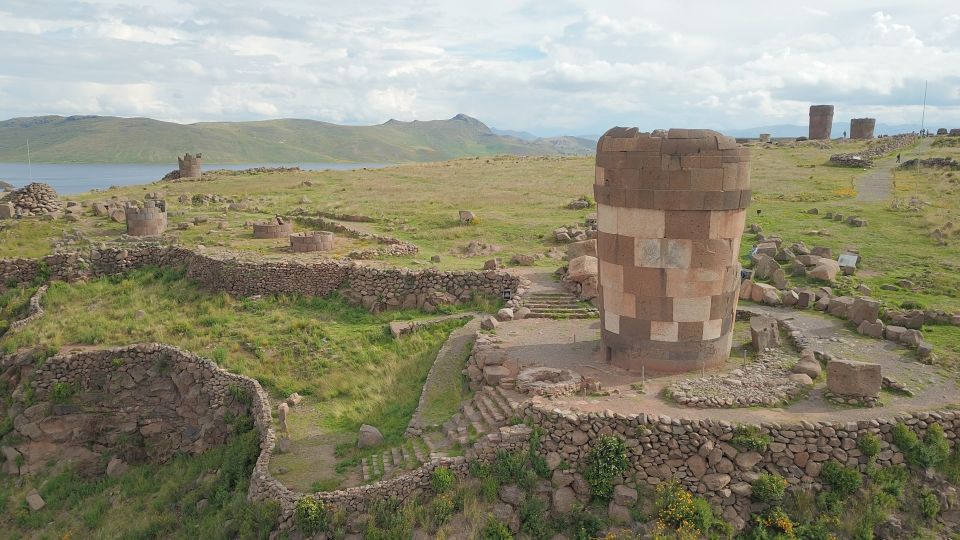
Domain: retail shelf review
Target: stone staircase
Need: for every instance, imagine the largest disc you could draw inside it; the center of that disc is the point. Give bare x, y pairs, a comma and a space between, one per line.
557, 305
407, 456
490, 409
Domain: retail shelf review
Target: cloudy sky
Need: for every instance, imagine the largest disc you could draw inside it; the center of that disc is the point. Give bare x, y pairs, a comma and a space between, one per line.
548, 67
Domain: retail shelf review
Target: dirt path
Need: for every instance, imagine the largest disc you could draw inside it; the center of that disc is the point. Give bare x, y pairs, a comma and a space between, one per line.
439, 388
575, 345
542, 280
875, 185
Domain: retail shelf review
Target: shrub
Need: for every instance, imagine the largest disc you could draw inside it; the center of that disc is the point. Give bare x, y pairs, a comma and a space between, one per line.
495, 530
769, 488
509, 467
442, 479
6, 426
750, 438
61, 392
869, 445
842, 479
930, 452
929, 504
606, 461
442, 509
489, 488
533, 519
584, 524
310, 515
774, 520
688, 516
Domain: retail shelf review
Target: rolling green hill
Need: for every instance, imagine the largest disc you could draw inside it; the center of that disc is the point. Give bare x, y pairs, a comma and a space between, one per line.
106, 139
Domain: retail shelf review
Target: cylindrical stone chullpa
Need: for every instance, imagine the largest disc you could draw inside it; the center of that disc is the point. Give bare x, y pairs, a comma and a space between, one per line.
151, 220
862, 128
821, 122
670, 210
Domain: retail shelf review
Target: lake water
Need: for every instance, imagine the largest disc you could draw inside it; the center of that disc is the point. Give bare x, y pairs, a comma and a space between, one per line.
69, 178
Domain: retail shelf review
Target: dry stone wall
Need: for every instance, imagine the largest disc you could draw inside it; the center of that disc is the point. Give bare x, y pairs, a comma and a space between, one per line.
374, 288
137, 403
700, 454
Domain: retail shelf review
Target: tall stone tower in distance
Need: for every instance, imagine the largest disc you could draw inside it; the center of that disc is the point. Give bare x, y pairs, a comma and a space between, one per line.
190, 165
821, 122
671, 208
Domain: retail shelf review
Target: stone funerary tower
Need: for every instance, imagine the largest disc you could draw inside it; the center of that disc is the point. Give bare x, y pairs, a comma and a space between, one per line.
821, 122
862, 128
190, 165
670, 211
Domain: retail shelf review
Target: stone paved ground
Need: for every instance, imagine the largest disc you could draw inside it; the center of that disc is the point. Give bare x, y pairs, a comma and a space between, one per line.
574, 344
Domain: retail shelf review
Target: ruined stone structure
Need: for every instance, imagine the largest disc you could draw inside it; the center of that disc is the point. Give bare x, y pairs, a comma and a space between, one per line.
190, 166
311, 241
671, 211
764, 137
151, 220
862, 128
821, 121
99, 403
275, 228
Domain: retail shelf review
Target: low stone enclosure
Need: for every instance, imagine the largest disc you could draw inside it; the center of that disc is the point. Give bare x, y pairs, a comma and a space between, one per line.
134, 404
373, 288
306, 242
275, 228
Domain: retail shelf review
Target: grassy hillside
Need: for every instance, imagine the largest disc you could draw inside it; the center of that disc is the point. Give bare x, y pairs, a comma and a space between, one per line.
103, 139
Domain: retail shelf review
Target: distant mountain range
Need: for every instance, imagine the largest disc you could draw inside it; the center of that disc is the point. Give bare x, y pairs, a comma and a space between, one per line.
107, 139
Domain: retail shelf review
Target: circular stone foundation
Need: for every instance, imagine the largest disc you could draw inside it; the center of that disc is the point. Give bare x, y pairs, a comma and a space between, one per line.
547, 381
311, 241
272, 230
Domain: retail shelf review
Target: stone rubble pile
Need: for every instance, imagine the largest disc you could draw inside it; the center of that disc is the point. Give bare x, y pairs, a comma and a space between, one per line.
876, 149
765, 381
34, 200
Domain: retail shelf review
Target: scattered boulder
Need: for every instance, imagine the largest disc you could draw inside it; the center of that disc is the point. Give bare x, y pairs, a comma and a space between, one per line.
489, 323
369, 437
578, 249
523, 260
35, 501
849, 378
505, 314
825, 270
863, 309
764, 333
467, 217
873, 328
764, 266
116, 467
808, 365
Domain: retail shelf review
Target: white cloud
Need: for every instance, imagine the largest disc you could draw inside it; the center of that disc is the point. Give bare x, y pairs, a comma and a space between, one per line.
570, 66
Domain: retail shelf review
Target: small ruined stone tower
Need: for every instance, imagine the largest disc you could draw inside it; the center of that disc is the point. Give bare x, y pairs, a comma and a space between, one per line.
821, 122
190, 165
151, 220
670, 213
862, 128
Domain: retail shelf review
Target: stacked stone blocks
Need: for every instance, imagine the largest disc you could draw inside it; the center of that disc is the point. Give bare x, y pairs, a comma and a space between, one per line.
190, 165
311, 241
151, 220
670, 215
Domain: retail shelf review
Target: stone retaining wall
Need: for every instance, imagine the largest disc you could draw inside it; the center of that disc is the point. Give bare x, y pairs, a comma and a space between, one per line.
34, 311
137, 403
699, 454
374, 288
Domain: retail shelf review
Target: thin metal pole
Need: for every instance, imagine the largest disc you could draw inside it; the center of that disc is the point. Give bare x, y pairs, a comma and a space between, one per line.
29, 161
923, 113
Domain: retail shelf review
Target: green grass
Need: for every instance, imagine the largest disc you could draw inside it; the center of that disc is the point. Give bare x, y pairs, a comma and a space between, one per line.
14, 304
148, 501
341, 357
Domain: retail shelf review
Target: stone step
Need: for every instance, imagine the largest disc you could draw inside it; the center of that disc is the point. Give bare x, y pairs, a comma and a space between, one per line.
418, 451
553, 305
498, 415
397, 457
491, 395
387, 464
488, 415
508, 408
475, 419
514, 404
561, 316
365, 469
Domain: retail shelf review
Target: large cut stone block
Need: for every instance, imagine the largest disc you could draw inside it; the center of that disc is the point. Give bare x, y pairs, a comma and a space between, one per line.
849, 378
